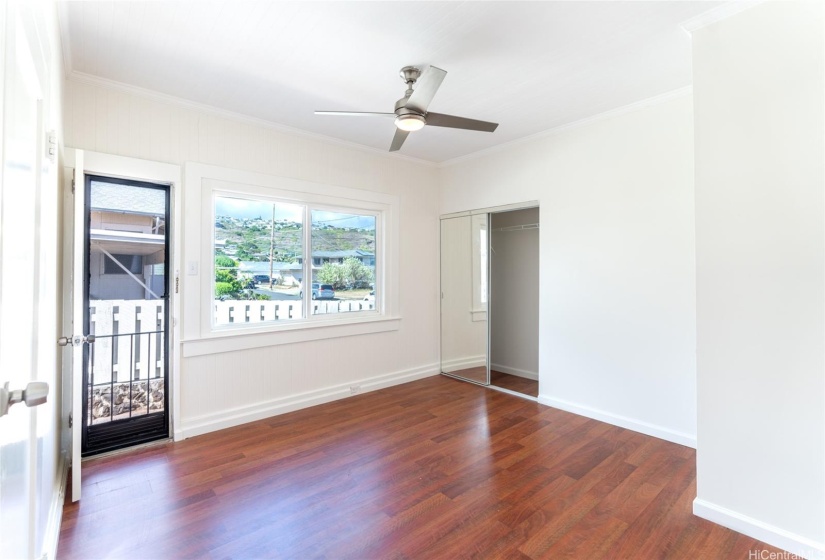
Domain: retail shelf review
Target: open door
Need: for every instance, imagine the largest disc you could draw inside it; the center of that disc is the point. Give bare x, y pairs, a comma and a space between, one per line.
117, 325
76, 340
27, 289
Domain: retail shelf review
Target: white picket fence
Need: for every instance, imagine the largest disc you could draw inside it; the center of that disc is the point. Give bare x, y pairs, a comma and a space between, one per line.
128, 345
241, 311
129, 334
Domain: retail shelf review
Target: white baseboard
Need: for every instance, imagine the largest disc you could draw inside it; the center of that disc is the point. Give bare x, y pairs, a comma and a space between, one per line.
515, 371
688, 440
774, 536
237, 416
52, 534
449, 366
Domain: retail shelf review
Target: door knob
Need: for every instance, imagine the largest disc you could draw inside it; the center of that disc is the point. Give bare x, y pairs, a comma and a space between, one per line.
75, 340
35, 393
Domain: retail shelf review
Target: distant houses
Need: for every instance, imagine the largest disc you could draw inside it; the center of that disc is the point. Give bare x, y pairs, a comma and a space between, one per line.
319, 258
293, 273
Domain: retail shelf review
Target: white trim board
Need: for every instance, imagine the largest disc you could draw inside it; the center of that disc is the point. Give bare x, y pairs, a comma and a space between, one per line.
688, 440
515, 371
774, 536
234, 417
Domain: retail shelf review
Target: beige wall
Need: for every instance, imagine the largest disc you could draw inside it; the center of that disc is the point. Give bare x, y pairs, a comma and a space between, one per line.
241, 385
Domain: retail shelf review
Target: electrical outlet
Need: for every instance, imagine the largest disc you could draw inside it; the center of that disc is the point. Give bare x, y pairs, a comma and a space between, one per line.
354, 389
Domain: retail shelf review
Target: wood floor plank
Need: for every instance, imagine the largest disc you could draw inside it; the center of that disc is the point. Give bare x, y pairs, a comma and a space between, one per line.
437, 468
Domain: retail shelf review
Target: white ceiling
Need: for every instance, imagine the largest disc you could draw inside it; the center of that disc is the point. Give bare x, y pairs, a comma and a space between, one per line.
530, 66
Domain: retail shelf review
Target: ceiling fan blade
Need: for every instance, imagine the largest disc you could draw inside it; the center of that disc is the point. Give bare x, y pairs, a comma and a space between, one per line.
354, 114
398, 139
425, 90
451, 121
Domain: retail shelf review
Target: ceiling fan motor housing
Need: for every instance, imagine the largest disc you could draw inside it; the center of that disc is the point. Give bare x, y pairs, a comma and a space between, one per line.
401, 109
410, 74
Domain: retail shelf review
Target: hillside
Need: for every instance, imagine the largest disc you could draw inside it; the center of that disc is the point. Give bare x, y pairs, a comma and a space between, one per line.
249, 239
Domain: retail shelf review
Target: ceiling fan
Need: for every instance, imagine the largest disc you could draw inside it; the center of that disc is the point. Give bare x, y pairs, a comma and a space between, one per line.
411, 110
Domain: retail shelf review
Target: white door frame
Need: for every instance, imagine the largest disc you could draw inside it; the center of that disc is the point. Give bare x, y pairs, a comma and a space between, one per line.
122, 167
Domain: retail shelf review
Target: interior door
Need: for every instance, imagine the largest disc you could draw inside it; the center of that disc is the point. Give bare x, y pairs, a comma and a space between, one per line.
20, 269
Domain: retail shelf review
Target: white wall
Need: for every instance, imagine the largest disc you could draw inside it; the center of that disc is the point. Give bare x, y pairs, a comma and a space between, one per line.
759, 83
514, 293
617, 300
231, 387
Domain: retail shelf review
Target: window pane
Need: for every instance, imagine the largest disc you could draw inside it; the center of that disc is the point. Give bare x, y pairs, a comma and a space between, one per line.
119, 264
258, 261
343, 262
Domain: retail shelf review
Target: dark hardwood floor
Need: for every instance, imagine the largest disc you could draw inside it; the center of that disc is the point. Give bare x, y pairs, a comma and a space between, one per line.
514, 383
437, 468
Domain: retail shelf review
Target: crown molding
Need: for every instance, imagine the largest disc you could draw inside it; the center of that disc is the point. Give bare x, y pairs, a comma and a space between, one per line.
113, 85
636, 106
718, 13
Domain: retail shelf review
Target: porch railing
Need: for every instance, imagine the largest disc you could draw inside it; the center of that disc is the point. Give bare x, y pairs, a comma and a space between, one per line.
254, 311
127, 359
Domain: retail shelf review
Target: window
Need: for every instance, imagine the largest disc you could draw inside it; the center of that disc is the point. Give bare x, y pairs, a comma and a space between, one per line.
341, 241
269, 270
258, 275
256, 323
132, 263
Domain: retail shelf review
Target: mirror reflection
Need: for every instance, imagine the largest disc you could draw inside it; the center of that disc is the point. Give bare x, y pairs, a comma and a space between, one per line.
464, 297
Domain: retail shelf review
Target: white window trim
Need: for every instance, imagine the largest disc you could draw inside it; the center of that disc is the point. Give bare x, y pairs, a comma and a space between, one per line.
202, 183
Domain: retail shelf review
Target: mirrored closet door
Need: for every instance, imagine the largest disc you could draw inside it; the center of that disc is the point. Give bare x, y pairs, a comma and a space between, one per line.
490, 298
464, 298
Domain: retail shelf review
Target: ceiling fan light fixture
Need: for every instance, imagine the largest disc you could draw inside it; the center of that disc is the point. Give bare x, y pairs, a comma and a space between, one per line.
410, 123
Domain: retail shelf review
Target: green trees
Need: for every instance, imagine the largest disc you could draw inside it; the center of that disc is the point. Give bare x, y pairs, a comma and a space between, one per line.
352, 273
227, 283
225, 262
226, 278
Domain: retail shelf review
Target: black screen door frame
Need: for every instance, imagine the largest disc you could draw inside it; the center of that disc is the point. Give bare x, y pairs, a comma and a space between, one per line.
145, 428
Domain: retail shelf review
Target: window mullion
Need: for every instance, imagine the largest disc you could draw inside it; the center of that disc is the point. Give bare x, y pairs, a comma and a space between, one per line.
307, 283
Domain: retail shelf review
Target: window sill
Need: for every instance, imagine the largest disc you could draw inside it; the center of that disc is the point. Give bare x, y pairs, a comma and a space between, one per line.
247, 338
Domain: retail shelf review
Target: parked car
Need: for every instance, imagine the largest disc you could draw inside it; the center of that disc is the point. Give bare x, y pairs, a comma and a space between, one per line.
261, 278
320, 291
